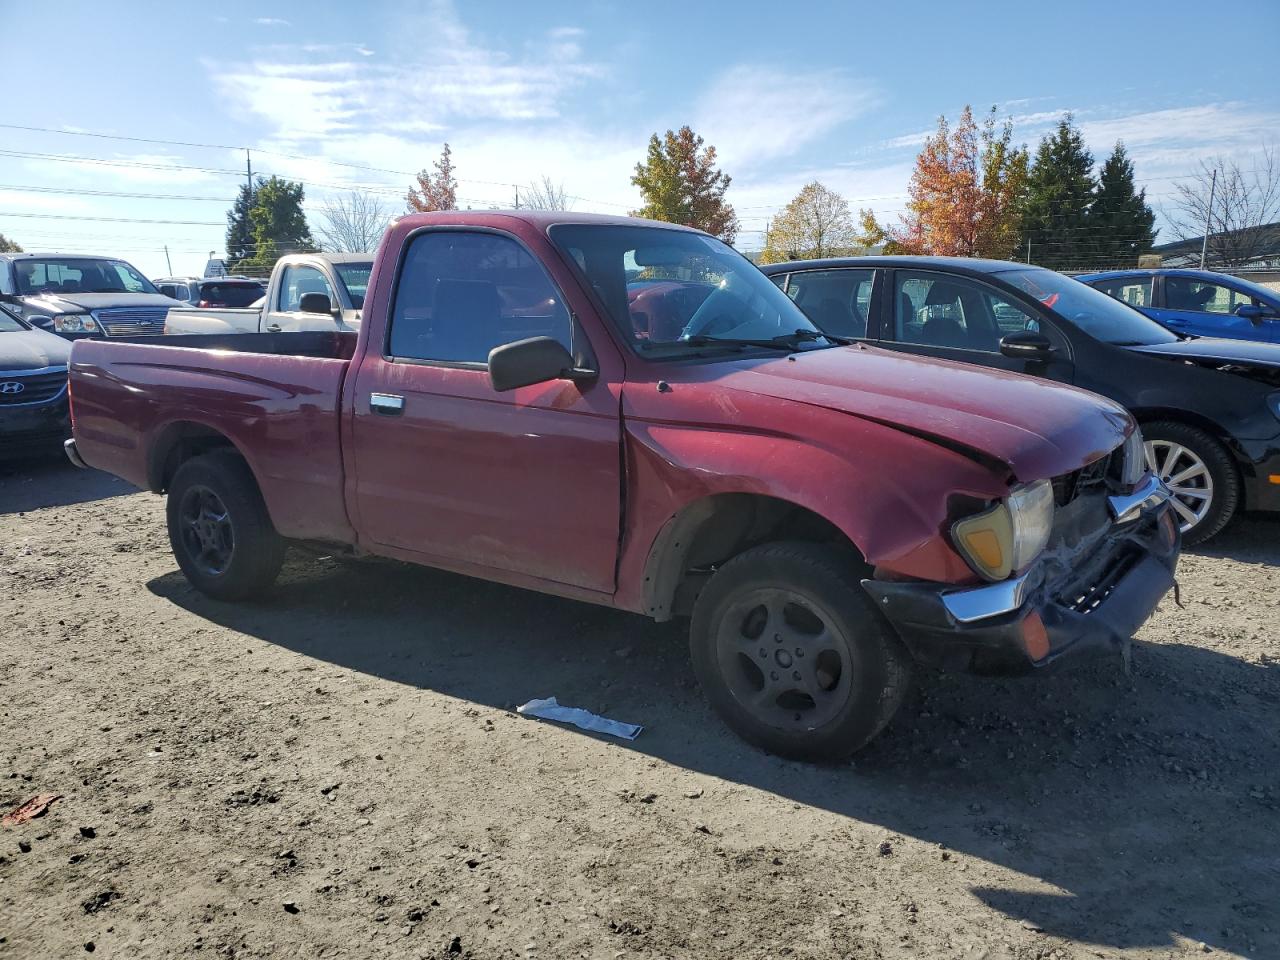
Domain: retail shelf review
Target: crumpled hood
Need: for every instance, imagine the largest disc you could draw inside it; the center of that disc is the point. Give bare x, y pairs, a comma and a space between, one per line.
32, 350
1239, 352
1037, 428
78, 302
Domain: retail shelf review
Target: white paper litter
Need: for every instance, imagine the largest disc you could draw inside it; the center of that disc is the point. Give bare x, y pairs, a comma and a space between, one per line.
550, 709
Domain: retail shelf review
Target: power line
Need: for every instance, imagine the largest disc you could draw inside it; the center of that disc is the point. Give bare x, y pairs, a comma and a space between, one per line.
60, 216
78, 192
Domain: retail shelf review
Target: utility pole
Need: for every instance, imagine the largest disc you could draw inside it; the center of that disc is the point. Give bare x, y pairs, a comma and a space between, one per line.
248, 167
1028, 249
1208, 215
167, 262
517, 197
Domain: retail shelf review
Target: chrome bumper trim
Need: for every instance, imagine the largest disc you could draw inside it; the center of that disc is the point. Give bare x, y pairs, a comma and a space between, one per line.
1150, 492
73, 454
978, 603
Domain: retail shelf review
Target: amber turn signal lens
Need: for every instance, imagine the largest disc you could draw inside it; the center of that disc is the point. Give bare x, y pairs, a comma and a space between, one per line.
1035, 637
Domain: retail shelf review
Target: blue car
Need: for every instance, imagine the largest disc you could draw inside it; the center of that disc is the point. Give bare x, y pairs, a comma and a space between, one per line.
1197, 302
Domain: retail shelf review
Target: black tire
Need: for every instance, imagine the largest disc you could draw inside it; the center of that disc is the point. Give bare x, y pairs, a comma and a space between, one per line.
847, 699
215, 497
1223, 478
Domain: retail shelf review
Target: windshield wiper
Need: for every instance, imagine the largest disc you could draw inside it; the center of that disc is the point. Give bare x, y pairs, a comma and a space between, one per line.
787, 341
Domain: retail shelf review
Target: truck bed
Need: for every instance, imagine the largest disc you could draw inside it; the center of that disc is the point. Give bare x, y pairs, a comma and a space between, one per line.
274, 397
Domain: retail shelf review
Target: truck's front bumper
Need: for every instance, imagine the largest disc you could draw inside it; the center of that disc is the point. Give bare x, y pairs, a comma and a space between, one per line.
1098, 601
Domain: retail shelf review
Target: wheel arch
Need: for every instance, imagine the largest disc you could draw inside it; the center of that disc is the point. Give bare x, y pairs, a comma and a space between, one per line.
715, 528
176, 443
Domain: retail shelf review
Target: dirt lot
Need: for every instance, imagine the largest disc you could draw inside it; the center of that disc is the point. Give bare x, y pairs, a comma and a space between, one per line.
338, 772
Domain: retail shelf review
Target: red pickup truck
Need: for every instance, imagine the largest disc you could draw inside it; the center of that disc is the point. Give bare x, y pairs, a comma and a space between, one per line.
514, 408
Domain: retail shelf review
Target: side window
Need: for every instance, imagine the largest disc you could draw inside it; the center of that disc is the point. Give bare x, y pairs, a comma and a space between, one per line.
1135, 291
461, 294
6, 282
837, 301
944, 311
301, 279
1186, 293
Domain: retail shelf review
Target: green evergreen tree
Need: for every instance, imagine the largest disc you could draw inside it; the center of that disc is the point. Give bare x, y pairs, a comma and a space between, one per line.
680, 183
239, 228
1060, 189
279, 224
8, 246
1120, 222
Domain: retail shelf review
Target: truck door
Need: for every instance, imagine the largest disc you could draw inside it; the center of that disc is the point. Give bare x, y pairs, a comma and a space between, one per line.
284, 309
527, 481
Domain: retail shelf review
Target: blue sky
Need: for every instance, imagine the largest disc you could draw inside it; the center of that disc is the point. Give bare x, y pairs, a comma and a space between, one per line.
788, 93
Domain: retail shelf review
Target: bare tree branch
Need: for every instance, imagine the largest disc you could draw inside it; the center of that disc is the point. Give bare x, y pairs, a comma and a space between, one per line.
545, 195
1245, 202
353, 222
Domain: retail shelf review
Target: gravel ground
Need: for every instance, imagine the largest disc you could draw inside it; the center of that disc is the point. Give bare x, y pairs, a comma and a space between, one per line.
337, 771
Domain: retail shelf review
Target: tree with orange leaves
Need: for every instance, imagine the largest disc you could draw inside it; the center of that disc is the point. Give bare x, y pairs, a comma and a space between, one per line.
435, 191
966, 192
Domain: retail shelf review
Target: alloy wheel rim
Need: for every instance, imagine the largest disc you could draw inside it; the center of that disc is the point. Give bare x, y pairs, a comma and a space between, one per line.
784, 660
1187, 477
205, 528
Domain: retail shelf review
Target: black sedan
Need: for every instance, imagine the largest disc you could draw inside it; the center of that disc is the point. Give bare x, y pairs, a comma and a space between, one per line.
1209, 409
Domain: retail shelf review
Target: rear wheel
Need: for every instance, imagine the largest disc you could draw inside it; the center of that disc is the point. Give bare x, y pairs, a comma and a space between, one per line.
219, 529
793, 654
1199, 474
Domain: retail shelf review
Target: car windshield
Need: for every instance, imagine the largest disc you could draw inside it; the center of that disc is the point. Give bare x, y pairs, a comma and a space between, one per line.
8, 324
1097, 314
355, 277
59, 275
669, 290
1265, 294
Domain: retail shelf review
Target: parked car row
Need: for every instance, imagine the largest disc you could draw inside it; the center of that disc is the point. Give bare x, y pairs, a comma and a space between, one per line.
809, 462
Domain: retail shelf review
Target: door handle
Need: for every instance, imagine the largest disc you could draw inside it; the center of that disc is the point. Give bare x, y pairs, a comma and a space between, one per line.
387, 404
273, 328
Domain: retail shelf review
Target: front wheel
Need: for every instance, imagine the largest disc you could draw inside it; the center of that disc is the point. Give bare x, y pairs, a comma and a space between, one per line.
219, 529
1199, 474
793, 654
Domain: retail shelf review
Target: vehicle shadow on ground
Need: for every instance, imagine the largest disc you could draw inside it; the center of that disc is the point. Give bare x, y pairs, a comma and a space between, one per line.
52, 481
1253, 538
1139, 807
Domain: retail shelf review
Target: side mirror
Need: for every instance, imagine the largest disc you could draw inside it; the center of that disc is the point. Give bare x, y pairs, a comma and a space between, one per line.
526, 362
1026, 346
315, 303
1254, 313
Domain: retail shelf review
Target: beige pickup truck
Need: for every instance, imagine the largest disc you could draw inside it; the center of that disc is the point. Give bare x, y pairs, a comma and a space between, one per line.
307, 291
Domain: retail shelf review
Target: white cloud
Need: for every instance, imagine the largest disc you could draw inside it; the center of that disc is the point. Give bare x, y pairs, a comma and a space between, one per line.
756, 114
306, 92
271, 22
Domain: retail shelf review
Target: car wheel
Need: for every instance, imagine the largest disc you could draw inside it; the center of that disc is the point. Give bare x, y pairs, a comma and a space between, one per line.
1199, 474
219, 529
793, 654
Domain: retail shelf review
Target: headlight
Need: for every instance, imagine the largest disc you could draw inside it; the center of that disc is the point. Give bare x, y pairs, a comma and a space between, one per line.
1135, 459
74, 323
1006, 537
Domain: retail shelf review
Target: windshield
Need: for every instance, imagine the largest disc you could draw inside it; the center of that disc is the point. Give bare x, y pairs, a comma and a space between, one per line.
1097, 314
1257, 290
667, 290
8, 324
355, 277
58, 275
